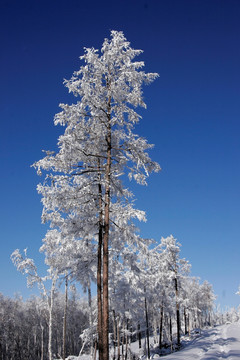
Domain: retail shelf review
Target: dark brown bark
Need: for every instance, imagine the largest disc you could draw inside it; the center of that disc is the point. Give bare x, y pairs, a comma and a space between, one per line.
99, 274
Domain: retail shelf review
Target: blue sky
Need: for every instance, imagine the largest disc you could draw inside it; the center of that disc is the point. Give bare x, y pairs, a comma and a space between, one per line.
192, 118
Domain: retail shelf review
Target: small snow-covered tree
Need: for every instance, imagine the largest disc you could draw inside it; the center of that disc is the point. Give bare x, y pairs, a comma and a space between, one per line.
27, 267
162, 288
178, 269
207, 302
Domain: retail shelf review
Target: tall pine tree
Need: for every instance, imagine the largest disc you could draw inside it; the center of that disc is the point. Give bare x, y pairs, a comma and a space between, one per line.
99, 144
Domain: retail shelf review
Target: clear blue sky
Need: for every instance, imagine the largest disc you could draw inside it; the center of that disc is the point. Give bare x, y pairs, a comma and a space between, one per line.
192, 118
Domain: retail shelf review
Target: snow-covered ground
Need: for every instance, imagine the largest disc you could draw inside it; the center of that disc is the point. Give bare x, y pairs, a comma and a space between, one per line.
220, 342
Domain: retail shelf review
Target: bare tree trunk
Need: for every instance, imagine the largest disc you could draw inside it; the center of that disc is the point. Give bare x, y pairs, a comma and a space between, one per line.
50, 307
185, 321
65, 318
195, 320
161, 328
42, 342
90, 314
105, 307
118, 337
114, 334
147, 330
99, 271
177, 314
131, 332
155, 329
126, 341
170, 331
123, 338
139, 336
95, 351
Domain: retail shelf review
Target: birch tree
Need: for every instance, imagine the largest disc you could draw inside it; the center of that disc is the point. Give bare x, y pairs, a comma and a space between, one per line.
27, 267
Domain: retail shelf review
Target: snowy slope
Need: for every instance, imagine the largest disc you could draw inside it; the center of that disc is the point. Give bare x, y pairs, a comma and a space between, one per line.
218, 343
221, 342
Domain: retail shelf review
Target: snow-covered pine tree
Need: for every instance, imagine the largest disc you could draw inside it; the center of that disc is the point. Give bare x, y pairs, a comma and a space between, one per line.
99, 143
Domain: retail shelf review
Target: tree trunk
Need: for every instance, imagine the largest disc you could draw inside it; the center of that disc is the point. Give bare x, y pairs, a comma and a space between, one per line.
99, 272
177, 314
42, 341
123, 337
50, 307
90, 315
118, 337
105, 307
185, 321
139, 336
95, 351
147, 329
126, 341
170, 331
209, 318
65, 318
178, 326
114, 334
161, 328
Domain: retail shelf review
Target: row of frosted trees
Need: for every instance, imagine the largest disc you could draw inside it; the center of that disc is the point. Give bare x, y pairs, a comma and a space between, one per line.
151, 294
93, 236
24, 327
